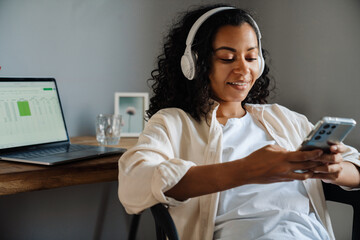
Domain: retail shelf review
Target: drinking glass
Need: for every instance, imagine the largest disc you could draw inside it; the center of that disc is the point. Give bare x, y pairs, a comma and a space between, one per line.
108, 129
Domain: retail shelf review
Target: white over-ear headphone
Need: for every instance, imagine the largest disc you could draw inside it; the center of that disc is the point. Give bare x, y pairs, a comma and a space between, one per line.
189, 57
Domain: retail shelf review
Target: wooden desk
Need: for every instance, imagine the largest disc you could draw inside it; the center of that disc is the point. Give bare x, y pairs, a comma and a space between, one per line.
20, 177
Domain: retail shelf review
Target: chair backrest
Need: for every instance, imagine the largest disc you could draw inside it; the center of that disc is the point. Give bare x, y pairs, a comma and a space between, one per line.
164, 224
165, 227
337, 194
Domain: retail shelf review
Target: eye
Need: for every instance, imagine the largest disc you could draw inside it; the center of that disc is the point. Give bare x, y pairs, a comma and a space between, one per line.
225, 56
227, 60
251, 59
251, 56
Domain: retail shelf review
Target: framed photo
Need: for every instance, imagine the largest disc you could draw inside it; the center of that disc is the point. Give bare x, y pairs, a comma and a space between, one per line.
131, 107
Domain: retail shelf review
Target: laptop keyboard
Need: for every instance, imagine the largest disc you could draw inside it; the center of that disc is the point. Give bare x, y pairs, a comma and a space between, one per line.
47, 151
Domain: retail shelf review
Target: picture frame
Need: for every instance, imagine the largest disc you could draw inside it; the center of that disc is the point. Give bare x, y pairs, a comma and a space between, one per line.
131, 106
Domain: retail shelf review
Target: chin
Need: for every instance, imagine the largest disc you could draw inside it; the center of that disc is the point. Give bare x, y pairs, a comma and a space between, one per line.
236, 100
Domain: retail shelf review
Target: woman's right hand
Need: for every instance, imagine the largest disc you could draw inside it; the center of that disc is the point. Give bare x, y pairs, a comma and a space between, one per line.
273, 163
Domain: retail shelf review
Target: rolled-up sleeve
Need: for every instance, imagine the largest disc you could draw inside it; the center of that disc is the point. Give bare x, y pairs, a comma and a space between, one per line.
150, 168
351, 155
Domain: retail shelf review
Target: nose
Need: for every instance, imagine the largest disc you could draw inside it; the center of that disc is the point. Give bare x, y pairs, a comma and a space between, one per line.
241, 66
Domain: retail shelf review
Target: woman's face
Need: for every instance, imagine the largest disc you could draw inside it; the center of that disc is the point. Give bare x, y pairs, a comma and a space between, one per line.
235, 65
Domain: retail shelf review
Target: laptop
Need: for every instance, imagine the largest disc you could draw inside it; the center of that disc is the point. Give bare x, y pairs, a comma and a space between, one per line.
32, 125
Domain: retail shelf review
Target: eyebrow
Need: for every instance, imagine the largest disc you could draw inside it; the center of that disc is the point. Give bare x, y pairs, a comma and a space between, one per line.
233, 49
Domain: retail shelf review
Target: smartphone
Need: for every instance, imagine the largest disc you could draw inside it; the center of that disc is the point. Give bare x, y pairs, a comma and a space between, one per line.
326, 132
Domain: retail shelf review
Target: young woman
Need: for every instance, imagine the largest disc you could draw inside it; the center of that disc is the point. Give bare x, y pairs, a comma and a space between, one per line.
222, 159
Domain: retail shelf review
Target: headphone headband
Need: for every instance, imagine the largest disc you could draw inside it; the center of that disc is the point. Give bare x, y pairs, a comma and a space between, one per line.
197, 24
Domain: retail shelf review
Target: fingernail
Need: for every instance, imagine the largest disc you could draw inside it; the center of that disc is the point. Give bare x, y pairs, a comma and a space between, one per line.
320, 152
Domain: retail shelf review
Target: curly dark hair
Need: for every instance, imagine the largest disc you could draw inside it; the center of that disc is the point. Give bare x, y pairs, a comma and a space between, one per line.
172, 89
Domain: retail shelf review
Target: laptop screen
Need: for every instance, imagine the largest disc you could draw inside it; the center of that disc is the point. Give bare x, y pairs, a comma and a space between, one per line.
30, 113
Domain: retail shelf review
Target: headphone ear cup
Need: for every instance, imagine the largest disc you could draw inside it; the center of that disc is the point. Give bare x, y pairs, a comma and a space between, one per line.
261, 65
188, 65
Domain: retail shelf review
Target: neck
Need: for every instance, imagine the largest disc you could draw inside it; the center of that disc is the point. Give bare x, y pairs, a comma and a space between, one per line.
229, 110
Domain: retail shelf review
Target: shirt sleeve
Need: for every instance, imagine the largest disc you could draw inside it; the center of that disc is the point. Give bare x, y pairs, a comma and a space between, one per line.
351, 155
150, 168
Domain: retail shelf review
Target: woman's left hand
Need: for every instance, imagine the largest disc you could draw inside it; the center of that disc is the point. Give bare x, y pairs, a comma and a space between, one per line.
335, 170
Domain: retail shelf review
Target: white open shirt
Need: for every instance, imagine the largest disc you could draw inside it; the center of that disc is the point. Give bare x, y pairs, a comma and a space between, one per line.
261, 211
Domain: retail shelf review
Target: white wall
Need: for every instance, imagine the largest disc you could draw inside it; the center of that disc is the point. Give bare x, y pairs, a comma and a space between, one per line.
97, 47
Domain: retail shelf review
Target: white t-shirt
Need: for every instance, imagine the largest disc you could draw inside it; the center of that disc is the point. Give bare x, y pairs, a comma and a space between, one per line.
261, 211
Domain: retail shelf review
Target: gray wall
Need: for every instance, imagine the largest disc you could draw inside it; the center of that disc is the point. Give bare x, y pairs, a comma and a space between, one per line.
315, 56
96, 48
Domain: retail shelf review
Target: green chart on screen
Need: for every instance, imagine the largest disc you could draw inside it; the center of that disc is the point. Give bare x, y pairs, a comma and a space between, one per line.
24, 108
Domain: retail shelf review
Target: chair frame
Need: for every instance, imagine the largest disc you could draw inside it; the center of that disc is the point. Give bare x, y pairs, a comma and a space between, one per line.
337, 194
166, 229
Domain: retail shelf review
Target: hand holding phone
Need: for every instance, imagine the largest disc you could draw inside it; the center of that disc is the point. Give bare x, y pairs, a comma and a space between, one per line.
328, 131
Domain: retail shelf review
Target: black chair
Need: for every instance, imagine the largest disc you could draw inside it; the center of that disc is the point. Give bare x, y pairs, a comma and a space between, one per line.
336, 194
165, 226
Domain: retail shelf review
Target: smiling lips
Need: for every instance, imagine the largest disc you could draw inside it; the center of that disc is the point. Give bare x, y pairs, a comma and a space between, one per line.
237, 83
